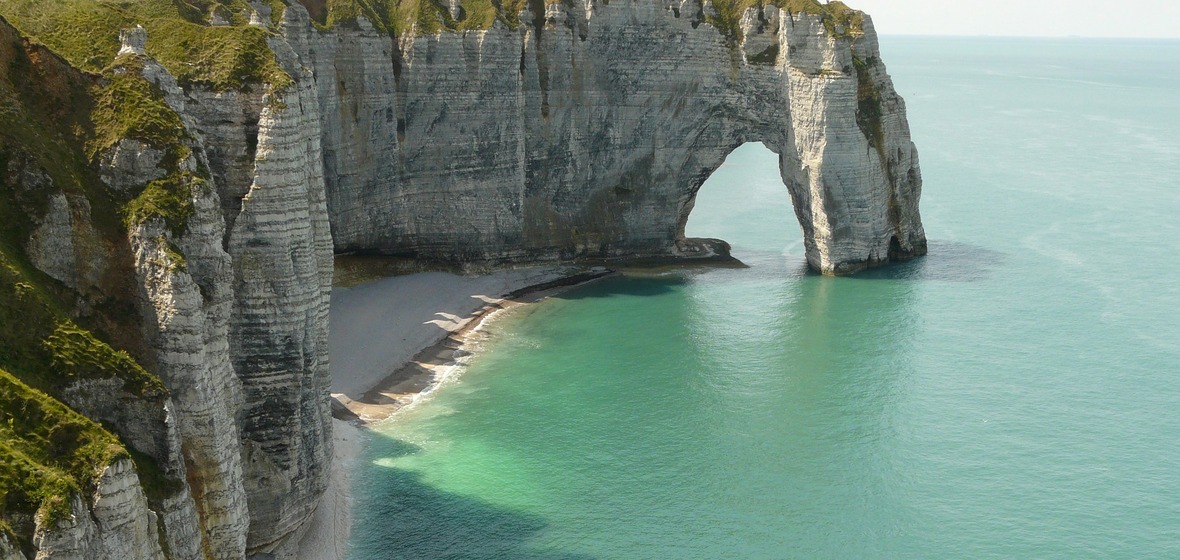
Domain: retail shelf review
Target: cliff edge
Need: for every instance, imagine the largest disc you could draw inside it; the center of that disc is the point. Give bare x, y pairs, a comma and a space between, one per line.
177, 176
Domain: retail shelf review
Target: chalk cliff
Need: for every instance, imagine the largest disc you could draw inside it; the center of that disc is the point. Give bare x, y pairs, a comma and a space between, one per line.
180, 215
588, 130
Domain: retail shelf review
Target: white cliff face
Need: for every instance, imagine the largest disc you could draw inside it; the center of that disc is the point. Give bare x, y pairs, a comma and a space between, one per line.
237, 310
148, 424
126, 526
282, 255
65, 245
193, 364
235, 313
590, 135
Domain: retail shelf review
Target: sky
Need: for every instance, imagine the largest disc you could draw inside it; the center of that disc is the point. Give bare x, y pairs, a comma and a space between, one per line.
1026, 18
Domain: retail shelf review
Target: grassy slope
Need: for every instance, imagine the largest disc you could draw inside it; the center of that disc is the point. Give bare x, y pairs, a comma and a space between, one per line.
54, 120
86, 33
47, 452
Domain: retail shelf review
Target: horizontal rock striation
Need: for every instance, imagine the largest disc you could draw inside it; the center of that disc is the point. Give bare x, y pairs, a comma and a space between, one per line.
587, 131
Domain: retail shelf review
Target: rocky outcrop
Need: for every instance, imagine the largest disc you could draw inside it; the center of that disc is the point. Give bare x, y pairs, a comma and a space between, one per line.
590, 134
241, 324
116, 523
9, 550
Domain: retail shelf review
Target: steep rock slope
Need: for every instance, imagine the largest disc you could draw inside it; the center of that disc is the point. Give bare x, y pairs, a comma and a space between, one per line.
586, 129
120, 222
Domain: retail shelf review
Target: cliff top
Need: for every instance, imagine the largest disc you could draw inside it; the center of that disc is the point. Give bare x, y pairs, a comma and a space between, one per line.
222, 44
230, 56
401, 17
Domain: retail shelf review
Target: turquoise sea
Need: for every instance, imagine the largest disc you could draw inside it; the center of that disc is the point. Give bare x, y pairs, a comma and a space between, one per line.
1015, 394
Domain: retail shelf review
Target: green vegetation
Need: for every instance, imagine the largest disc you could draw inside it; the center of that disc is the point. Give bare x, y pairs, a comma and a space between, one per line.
837, 17
47, 451
86, 33
397, 17
53, 122
423, 17
128, 106
39, 343
169, 198
222, 58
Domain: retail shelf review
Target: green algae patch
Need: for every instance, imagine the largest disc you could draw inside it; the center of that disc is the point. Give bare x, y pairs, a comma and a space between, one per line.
47, 452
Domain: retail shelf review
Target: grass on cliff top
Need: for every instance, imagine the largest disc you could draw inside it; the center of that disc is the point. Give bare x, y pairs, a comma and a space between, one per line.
424, 17
400, 18
47, 451
86, 33
839, 20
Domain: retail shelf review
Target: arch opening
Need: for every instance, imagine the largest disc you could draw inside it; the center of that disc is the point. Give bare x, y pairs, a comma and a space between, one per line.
745, 203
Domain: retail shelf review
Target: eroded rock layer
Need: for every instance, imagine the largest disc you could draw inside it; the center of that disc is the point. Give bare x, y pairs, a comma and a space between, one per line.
590, 134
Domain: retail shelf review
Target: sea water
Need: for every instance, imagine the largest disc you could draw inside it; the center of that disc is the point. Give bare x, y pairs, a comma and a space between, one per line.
1015, 394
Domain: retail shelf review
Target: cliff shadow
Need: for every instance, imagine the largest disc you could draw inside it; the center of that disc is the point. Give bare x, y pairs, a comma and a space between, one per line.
627, 284
401, 516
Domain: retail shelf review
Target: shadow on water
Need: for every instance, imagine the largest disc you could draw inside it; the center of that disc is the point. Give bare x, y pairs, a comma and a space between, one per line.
410, 519
946, 261
625, 285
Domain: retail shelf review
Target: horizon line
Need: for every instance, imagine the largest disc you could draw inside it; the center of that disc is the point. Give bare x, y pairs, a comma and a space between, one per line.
990, 36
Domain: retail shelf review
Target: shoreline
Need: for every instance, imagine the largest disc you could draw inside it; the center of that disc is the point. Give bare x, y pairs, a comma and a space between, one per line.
436, 363
433, 357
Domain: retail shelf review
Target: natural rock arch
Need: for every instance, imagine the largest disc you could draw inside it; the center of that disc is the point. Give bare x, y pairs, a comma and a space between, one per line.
591, 137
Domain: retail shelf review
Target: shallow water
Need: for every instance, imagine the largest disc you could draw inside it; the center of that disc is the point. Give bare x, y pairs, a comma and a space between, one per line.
1013, 395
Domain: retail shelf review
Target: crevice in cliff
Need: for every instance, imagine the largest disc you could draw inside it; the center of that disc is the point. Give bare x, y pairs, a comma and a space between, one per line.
537, 7
869, 112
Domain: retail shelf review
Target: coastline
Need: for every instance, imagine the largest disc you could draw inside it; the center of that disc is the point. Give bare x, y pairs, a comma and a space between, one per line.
402, 337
